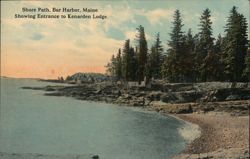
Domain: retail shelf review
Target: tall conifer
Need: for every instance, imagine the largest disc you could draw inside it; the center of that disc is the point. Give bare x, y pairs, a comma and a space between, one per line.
236, 45
171, 67
142, 52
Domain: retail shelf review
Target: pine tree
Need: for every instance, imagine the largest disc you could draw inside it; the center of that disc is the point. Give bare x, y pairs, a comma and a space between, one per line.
134, 65
159, 49
210, 67
149, 65
142, 52
176, 36
246, 73
205, 34
188, 57
110, 67
155, 59
118, 67
236, 45
168, 69
196, 62
205, 45
218, 48
172, 65
126, 60
218, 45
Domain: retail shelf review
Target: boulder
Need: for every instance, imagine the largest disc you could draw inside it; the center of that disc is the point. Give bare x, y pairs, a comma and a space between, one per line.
233, 97
168, 98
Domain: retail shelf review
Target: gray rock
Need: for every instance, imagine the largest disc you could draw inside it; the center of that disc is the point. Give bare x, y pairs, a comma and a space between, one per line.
168, 97
233, 97
44, 156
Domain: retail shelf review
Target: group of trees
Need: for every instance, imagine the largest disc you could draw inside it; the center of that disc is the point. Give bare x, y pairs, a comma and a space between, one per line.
130, 64
189, 58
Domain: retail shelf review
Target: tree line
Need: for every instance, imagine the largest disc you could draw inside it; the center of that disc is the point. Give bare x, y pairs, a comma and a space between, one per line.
189, 58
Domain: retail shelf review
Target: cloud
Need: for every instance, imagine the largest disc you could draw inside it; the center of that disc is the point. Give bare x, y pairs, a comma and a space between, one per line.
157, 15
118, 15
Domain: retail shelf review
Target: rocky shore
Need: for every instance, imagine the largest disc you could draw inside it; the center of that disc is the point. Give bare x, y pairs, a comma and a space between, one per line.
174, 98
43, 156
221, 109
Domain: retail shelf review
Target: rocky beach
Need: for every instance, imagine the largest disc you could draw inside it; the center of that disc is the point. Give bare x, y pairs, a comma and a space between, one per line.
222, 136
221, 109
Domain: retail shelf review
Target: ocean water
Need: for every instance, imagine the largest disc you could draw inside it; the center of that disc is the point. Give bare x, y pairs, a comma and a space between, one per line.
33, 123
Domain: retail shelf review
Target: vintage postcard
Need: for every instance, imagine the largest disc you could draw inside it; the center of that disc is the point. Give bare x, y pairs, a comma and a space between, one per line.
124, 79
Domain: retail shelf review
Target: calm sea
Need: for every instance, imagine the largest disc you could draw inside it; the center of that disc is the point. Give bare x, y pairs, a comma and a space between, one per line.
33, 123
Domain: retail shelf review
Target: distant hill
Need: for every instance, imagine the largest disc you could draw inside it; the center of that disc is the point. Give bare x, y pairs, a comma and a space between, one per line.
87, 77
4, 77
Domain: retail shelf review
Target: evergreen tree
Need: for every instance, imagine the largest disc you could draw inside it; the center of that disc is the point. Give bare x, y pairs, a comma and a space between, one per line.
246, 73
155, 59
142, 53
188, 57
205, 45
110, 67
218, 48
168, 69
205, 34
218, 45
210, 67
176, 36
126, 60
118, 67
149, 65
134, 65
172, 65
235, 49
196, 62
159, 49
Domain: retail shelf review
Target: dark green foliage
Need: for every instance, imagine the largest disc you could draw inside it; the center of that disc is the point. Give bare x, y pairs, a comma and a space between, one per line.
118, 66
176, 36
189, 58
246, 73
205, 50
126, 60
218, 48
142, 52
218, 45
205, 35
148, 72
110, 67
134, 65
235, 49
129, 62
155, 59
168, 69
210, 67
173, 64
